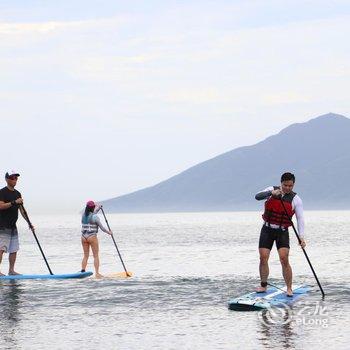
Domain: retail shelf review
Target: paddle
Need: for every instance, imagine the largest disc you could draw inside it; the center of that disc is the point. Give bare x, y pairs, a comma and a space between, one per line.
121, 274
306, 256
26, 217
272, 285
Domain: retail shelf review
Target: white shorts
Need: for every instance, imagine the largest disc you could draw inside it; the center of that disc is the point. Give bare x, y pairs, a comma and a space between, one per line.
9, 240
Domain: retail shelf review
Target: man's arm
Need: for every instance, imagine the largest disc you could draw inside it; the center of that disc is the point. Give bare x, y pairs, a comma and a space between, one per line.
299, 213
266, 193
4, 206
22, 213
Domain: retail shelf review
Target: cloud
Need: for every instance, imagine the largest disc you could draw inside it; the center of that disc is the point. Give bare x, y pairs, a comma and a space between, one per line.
204, 95
151, 91
23, 29
284, 98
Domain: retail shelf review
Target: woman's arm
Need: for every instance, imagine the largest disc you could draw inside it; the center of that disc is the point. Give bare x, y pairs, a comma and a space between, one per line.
99, 224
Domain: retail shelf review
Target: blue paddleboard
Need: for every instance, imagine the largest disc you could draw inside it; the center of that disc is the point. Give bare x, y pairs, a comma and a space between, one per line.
32, 277
273, 297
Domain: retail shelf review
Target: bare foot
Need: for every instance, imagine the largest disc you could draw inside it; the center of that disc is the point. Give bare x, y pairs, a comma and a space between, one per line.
1, 274
98, 275
261, 289
13, 273
289, 292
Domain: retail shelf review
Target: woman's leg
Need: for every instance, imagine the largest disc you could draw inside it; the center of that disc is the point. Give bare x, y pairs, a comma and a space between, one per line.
86, 247
95, 248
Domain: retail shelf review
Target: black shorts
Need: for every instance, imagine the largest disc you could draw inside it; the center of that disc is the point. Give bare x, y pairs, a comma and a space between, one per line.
268, 235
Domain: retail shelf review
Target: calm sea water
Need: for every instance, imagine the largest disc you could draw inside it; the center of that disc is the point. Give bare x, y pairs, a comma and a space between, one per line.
186, 267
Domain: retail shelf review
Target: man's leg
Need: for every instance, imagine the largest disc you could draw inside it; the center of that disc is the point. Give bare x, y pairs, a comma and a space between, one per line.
13, 248
286, 269
1, 253
12, 261
263, 268
265, 245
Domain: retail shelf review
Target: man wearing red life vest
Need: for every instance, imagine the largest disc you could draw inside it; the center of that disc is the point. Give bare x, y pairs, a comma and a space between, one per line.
275, 227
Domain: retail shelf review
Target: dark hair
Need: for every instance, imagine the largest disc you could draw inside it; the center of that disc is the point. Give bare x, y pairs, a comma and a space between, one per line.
88, 210
287, 177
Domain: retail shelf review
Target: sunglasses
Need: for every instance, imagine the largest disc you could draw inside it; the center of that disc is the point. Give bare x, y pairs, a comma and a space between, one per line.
13, 177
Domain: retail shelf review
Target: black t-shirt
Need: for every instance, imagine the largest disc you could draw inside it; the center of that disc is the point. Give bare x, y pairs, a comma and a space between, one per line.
8, 217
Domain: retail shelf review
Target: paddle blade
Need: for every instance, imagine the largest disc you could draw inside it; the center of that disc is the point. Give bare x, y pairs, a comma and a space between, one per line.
120, 274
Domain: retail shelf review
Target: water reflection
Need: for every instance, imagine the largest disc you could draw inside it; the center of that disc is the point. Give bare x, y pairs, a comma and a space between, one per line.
10, 316
276, 329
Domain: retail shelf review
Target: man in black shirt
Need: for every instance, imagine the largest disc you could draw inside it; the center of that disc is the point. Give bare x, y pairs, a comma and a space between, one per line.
10, 202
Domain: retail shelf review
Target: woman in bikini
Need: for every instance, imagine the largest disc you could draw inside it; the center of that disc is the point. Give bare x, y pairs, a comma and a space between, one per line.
90, 225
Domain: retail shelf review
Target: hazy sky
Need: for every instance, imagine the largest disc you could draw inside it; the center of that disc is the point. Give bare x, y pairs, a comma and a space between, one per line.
100, 98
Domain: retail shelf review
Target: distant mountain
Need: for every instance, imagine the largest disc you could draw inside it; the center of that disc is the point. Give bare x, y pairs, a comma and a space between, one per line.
317, 152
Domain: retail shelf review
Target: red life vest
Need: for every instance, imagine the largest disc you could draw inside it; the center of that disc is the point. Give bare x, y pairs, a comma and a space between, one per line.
275, 213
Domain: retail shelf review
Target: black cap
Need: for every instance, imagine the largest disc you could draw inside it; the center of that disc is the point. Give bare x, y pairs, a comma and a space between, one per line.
11, 173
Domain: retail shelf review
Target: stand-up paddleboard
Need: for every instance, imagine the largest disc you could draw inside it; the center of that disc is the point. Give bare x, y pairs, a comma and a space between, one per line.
34, 277
273, 297
118, 275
